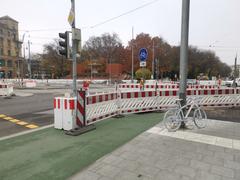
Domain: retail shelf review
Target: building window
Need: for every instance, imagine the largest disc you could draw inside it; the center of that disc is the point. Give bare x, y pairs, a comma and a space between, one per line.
9, 52
9, 63
1, 31
9, 43
9, 34
2, 62
14, 37
1, 51
1, 42
9, 74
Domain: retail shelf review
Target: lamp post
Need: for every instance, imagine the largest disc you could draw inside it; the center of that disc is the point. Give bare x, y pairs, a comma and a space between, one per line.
132, 56
184, 53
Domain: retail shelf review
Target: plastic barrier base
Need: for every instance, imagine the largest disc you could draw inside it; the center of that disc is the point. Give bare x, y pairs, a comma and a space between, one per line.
82, 130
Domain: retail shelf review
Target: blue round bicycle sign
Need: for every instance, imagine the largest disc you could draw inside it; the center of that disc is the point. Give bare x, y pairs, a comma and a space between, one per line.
143, 54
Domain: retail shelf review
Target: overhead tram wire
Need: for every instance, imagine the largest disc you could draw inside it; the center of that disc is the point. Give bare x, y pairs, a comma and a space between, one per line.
124, 14
36, 30
101, 23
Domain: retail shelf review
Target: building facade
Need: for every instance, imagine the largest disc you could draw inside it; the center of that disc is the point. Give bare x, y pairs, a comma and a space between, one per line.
11, 61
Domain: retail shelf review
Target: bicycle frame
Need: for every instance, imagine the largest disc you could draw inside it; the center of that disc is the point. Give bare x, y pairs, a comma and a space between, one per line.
189, 107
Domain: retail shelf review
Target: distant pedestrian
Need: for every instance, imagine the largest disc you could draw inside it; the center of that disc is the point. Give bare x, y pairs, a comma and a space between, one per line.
86, 84
142, 84
219, 82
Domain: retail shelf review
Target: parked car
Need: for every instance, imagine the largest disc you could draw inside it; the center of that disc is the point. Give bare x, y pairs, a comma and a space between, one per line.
191, 81
230, 83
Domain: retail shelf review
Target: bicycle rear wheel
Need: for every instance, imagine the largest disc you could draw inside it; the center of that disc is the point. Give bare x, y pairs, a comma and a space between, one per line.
200, 118
172, 120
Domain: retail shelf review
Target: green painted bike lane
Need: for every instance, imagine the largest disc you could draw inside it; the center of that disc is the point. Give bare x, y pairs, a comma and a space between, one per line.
49, 154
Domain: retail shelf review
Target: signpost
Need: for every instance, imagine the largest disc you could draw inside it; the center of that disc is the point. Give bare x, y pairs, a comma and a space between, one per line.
143, 54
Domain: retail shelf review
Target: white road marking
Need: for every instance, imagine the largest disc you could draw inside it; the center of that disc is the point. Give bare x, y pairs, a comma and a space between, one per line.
25, 132
194, 137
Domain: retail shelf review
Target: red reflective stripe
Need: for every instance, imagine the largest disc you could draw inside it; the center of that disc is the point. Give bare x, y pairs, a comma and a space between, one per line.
212, 92
166, 93
80, 108
143, 94
227, 91
100, 98
79, 123
150, 94
128, 95
71, 104
87, 100
188, 92
93, 99
58, 103
219, 91
54, 104
136, 94
106, 97
205, 92
174, 93
65, 104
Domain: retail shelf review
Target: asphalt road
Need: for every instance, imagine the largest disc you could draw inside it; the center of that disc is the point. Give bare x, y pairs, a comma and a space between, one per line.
34, 110
21, 113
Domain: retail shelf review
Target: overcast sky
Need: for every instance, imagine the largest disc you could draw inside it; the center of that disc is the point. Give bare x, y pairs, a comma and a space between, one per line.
214, 23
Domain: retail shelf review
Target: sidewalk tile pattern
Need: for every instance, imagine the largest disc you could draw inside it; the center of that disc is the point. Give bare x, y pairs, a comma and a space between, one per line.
183, 155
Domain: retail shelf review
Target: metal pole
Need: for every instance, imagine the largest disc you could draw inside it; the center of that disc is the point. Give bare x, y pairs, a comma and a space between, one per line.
132, 56
74, 51
29, 61
110, 70
235, 72
153, 57
184, 50
157, 73
90, 59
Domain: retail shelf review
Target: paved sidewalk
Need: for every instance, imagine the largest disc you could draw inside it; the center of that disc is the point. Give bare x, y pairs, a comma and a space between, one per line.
212, 153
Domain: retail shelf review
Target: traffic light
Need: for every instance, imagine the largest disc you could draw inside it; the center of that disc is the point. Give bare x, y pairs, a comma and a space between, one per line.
65, 51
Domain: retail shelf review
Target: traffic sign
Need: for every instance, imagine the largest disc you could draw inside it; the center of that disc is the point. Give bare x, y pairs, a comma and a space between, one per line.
143, 54
143, 63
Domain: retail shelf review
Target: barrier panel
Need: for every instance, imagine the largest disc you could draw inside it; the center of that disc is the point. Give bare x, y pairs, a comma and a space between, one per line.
101, 107
93, 108
30, 83
64, 109
6, 89
136, 87
58, 112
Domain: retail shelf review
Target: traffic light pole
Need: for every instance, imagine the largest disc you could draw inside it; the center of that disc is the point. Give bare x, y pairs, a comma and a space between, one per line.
74, 54
184, 52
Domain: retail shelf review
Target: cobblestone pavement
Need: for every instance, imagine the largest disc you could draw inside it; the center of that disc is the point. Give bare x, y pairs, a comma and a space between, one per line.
212, 153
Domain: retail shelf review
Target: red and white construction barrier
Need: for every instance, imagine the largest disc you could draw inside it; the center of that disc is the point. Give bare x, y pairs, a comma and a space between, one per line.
30, 83
94, 108
64, 109
6, 89
101, 106
163, 86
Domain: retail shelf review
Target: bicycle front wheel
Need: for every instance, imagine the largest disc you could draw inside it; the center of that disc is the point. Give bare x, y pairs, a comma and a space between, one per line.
200, 118
172, 120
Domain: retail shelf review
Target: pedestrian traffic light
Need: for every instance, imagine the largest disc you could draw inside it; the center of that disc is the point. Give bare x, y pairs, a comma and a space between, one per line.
65, 51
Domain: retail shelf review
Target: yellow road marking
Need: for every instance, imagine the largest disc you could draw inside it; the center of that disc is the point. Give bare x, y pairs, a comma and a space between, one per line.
18, 122
2, 115
31, 126
22, 123
14, 120
8, 118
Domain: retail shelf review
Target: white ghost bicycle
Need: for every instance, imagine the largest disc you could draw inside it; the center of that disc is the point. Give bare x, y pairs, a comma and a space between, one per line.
173, 118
